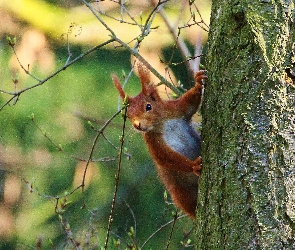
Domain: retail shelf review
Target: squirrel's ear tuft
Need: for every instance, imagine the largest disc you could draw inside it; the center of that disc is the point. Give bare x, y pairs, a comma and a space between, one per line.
144, 76
151, 92
118, 86
148, 88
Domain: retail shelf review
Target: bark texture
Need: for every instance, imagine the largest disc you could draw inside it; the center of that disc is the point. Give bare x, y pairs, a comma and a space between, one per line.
247, 188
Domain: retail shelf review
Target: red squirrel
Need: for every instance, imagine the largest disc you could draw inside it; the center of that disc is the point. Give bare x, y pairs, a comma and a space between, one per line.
171, 140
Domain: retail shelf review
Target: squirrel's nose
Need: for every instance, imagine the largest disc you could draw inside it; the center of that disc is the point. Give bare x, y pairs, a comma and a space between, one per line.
136, 124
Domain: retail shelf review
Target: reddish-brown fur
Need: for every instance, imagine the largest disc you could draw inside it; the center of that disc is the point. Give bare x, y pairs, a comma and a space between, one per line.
172, 142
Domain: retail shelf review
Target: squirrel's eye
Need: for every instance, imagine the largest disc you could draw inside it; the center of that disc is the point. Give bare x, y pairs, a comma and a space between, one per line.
148, 107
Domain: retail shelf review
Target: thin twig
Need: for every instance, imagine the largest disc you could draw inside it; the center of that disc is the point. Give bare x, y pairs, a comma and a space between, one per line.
202, 20
60, 149
123, 9
20, 64
82, 185
180, 43
117, 178
133, 52
40, 82
92, 149
150, 18
134, 218
116, 148
160, 229
69, 50
67, 229
193, 18
172, 230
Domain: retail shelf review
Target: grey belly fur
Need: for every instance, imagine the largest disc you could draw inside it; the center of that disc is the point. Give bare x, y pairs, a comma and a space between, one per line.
182, 138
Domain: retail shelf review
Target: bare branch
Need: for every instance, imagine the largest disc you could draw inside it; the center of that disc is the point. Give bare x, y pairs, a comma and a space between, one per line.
172, 229
133, 52
92, 149
160, 229
60, 149
180, 43
20, 64
41, 82
117, 178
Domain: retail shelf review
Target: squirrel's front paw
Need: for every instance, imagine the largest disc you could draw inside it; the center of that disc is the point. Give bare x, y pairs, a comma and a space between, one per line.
200, 75
197, 166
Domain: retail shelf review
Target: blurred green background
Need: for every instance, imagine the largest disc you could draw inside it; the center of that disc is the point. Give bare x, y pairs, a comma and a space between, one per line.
33, 171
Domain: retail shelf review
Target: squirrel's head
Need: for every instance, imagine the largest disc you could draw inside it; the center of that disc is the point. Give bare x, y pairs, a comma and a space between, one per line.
146, 110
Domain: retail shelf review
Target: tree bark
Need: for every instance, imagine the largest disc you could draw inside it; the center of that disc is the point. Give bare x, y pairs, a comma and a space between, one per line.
247, 188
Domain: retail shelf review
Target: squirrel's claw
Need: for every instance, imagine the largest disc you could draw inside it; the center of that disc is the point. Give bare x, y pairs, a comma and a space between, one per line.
197, 166
200, 75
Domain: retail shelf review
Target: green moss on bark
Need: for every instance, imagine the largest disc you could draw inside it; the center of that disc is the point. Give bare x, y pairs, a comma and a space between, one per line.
248, 145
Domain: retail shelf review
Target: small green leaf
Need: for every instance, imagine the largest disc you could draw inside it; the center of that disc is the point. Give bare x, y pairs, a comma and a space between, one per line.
165, 195
131, 232
90, 124
161, 59
10, 41
123, 73
125, 101
50, 242
117, 242
32, 116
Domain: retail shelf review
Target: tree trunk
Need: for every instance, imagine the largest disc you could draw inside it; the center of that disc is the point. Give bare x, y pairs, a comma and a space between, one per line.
247, 189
